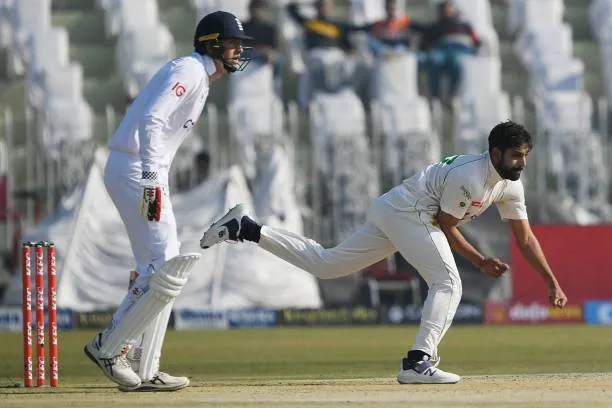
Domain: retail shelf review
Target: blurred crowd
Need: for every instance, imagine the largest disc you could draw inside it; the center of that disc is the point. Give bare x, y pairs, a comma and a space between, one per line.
439, 45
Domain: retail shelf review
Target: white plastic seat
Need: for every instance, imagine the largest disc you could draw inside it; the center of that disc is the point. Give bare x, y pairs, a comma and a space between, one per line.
478, 14
327, 70
562, 74
477, 114
64, 83
335, 115
130, 15
6, 33
138, 15
367, 11
341, 162
66, 122
566, 111
396, 78
600, 15
408, 140
49, 50
403, 115
256, 126
542, 13
66, 116
544, 40
137, 60
239, 8
255, 81
26, 17
480, 73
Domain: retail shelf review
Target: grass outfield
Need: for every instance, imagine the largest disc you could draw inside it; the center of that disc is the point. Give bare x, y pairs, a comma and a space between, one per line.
503, 366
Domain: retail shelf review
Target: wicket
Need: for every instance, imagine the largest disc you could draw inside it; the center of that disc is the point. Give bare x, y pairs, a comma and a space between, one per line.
39, 248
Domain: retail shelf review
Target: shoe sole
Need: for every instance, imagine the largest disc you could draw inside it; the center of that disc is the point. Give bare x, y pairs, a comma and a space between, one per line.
92, 358
154, 388
424, 381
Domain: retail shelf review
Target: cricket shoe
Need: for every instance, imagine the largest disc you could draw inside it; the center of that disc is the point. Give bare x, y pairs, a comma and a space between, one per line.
227, 228
116, 368
160, 382
424, 372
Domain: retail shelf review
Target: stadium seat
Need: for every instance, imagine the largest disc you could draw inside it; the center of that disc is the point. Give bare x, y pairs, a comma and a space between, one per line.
541, 13
363, 12
256, 116
402, 129
255, 81
67, 117
6, 33
327, 70
26, 17
395, 78
49, 50
475, 118
554, 39
239, 8
130, 15
342, 164
482, 103
256, 126
482, 73
291, 35
478, 14
137, 60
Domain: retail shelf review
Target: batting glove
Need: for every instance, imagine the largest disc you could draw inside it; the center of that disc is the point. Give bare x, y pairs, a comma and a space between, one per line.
150, 196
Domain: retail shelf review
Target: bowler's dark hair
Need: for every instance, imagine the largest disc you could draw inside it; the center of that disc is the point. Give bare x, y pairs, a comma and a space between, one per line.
509, 134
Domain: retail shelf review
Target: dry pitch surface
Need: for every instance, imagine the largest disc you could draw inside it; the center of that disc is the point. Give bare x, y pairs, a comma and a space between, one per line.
559, 390
343, 367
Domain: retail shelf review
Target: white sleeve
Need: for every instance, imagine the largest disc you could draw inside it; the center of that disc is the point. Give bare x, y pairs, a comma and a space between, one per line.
511, 205
455, 193
181, 82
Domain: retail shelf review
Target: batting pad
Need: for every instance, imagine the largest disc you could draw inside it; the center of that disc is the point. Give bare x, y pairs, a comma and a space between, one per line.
152, 343
164, 286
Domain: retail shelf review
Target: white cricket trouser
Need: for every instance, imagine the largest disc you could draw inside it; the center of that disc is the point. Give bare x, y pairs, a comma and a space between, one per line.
153, 243
385, 231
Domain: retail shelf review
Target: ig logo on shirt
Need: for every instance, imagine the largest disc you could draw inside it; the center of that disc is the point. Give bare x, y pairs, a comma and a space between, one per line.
179, 89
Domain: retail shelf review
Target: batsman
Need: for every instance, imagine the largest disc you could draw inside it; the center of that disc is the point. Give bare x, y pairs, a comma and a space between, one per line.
136, 177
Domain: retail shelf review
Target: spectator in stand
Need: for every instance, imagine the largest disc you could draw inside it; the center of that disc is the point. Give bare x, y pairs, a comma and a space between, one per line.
265, 44
322, 31
391, 37
448, 40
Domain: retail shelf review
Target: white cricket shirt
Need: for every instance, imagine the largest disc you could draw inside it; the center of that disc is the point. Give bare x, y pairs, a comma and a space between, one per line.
463, 186
162, 115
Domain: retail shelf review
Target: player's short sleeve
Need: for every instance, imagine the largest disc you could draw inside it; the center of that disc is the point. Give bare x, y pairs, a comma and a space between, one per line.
455, 195
511, 205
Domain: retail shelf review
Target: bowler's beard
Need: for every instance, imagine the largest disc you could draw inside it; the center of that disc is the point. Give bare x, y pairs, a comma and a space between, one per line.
509, 173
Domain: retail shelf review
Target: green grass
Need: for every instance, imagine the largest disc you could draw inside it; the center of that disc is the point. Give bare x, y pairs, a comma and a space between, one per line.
326, 353
332, 367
